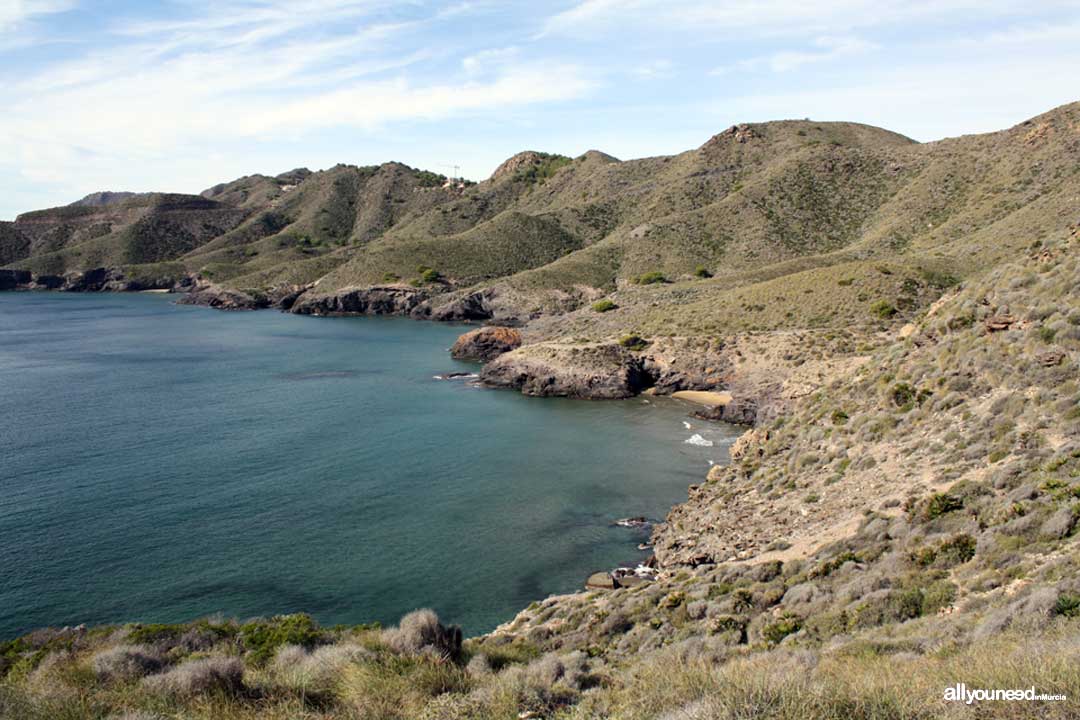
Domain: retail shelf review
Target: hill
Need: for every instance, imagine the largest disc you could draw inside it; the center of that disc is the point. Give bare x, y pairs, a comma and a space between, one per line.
897, 325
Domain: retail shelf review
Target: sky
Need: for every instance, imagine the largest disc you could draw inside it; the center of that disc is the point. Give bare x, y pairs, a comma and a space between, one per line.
180, 95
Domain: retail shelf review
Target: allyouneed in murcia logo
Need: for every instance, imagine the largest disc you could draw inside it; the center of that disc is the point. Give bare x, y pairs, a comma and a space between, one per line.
961, 693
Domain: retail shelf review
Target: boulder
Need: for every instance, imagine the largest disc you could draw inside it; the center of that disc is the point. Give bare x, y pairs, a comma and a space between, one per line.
600, 581
485, 343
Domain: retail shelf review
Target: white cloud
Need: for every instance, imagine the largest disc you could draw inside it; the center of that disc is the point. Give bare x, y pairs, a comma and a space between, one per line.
489, 60
655, 70
13, 13
828, 49
764, 18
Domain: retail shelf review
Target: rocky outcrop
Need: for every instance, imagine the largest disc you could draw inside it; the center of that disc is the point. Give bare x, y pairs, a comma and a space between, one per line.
474, 306
374, 300
102, 279
47, 282
552, 369
221, 298
486, 343
13, 279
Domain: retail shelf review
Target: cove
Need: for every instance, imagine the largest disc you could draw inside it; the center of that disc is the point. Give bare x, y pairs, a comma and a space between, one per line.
160, 463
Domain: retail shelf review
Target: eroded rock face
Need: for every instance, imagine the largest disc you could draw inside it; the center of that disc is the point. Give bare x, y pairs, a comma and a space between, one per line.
220, 298
474, 306
486, 343
374, 300
587, 370
12, 279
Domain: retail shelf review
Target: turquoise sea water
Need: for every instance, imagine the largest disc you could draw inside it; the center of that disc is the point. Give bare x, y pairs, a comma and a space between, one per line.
162, 463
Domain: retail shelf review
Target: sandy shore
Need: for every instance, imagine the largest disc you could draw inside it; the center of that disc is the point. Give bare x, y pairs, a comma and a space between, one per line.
703, 397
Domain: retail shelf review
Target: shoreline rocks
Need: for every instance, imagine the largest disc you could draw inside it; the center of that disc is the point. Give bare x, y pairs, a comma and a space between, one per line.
101, 279
373, 300
220, 298
486, 343
551, 369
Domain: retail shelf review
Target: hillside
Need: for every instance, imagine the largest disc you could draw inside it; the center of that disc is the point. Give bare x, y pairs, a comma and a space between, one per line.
910, 525
896, 324
789, 224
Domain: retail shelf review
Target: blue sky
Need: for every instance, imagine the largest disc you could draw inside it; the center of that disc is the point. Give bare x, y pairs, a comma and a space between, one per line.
177, 96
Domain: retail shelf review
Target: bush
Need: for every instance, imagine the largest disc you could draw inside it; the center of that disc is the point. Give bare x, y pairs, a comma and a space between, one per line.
200, 677
262, 638
1067, 605
785, 625
702, 272
430, 275
650, 278
391, 277
421, 632
903, 396
883, 309
316, 671
939, 504
126, 662
633, 342
839, 417
602, 306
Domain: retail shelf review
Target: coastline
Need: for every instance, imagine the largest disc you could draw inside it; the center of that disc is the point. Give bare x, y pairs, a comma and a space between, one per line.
586, 570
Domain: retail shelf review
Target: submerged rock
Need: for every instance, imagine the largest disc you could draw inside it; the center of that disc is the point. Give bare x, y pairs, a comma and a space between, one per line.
485, 343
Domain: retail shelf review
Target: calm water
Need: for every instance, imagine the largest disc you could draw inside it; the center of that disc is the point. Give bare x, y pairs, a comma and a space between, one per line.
160, 462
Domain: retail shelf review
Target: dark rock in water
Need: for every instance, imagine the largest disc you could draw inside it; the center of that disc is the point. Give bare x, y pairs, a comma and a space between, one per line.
485, 343
284, 298
48, 282
375, 300
456, 376
221, 298
94, 280
12, 279
590, 370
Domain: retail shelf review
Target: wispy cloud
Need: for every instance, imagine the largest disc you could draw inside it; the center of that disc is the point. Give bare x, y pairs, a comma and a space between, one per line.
825, 49
655, 70
254, 71
14, 13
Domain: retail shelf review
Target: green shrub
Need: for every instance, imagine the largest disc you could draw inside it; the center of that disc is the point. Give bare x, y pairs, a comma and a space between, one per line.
903, 396
602, 306
261, 638
650, 278
430, 275
1067, 605
883, 309
785, 625
702, 272
633, 342
839, 417
391, 277
939, 504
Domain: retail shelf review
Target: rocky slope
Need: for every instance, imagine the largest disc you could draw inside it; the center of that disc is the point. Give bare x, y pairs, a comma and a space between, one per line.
898, 325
